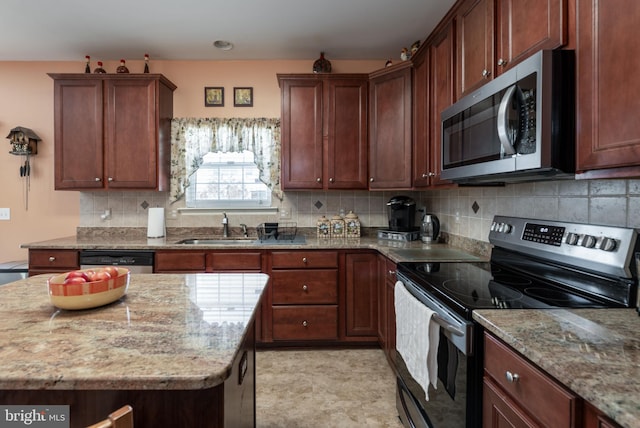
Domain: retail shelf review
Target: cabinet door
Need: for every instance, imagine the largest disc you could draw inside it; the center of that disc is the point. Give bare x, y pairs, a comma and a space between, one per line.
475, 45
390, 129
301, 134
361, 309
421, 147
498, 410
608, 55
179, 261
131, 134
78, 134
346, 133
526, 26
442, 88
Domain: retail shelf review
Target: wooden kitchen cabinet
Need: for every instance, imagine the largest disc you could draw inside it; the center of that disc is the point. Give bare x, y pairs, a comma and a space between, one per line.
494, 35
53, 261
607, 55
361, 293
517, 393
390, 133
112, 131
324, 131
386, 309
594, 418
195, 261
304, 297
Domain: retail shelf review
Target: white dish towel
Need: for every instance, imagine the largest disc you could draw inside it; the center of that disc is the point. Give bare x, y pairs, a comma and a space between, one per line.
417, 338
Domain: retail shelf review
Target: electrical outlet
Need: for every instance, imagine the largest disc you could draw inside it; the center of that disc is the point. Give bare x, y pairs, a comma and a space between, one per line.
285, 214
5, 213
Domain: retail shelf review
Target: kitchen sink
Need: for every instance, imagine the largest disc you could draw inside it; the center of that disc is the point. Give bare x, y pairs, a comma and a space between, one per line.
217, 241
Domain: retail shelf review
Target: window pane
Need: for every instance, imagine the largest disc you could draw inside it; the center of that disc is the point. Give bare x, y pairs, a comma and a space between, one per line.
228, 180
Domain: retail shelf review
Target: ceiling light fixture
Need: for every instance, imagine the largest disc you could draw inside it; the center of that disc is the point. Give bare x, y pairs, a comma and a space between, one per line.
223, 45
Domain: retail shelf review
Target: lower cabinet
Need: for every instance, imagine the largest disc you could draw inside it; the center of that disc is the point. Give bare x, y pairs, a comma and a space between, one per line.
517, 393
53, 261
304, 296
207, 261
386, 309
361, 295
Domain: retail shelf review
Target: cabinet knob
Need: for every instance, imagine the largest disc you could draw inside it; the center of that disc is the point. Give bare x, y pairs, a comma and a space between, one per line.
305, 323
319, 180
98, 179
52, 259
304, 260
392, 272
485, 73
110, 179
371, 179
512, 377
502, 62
305, 287
331, 180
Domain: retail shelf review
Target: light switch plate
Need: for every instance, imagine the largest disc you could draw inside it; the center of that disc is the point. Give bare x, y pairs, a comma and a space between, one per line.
5, 213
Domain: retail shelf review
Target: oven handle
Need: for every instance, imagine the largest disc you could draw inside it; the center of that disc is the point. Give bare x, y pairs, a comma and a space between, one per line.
450, 328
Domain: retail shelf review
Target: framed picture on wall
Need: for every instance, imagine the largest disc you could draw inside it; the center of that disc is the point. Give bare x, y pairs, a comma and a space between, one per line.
214, 96
243, 97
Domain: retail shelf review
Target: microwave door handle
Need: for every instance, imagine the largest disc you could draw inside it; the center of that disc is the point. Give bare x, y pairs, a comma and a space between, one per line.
503, 134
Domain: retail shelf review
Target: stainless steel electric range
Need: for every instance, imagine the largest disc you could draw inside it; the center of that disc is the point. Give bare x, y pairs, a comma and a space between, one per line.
534, 264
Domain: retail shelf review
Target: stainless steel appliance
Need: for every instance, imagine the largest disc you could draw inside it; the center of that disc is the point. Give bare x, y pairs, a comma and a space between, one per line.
518, 127
534, 264
135, 261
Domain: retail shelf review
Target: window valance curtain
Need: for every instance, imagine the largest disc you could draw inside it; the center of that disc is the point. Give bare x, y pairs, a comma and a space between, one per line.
192, 138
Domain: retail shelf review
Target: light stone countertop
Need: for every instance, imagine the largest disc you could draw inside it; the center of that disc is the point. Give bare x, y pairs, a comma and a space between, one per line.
397, 251
167, 332
594, 352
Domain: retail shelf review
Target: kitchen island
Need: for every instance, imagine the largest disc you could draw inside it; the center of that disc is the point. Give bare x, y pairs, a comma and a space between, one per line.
180, 349
593, 352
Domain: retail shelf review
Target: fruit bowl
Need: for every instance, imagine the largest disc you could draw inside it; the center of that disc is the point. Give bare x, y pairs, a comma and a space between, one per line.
88, 288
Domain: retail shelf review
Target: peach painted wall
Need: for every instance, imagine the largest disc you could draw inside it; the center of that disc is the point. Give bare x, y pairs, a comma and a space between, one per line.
26, 99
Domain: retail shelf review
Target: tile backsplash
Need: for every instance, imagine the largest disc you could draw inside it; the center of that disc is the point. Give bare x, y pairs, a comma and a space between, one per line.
463, 211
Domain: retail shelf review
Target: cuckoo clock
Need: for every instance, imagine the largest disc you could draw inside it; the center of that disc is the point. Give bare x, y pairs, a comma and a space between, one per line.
23, 141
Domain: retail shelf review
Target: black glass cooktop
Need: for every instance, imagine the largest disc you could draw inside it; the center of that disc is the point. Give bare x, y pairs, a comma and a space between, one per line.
468, 286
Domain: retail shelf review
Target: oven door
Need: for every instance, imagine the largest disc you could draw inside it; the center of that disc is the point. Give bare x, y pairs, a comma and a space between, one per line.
456, 402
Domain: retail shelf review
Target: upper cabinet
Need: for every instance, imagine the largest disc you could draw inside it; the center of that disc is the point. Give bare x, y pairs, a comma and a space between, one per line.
608, 60
390, 133
112, 131
494, 35
324, 131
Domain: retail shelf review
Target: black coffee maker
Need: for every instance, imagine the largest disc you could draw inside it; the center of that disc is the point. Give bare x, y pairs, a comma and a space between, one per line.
402, 213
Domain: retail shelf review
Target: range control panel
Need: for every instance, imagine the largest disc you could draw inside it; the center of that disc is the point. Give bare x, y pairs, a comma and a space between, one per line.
599, 248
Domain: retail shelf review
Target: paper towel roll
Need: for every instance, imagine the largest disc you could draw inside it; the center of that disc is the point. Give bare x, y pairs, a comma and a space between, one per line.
155, 224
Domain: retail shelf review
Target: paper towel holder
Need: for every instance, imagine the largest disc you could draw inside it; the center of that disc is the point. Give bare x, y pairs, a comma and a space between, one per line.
156, 224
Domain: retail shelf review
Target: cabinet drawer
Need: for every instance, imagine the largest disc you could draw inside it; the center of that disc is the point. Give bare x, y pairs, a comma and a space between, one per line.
304, 287
55, 260
305, 322
304, 259
533, 390
188, 261
229, 261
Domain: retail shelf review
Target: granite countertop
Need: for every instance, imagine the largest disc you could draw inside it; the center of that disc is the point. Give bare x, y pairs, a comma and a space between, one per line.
397, 251
167, 332
594, 352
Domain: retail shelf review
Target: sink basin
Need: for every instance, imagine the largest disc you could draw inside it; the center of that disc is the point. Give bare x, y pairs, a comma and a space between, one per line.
220, 241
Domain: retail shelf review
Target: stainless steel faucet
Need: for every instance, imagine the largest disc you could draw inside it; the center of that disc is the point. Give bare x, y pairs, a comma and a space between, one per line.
244, 230
225, 225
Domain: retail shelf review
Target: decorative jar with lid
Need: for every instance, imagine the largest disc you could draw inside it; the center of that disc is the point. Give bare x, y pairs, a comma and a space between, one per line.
337, 226
352, 225
324, 226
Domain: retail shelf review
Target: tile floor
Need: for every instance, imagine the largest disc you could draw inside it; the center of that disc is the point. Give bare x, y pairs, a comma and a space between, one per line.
324, 388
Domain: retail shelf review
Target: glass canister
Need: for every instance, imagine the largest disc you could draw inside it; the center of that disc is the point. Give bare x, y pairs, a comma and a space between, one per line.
353, 225
337, 226
323, 226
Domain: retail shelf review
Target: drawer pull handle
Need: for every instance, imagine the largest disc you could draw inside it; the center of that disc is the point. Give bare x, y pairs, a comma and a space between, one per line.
304, 260
52, 259
305, 287
512, 377
305, 323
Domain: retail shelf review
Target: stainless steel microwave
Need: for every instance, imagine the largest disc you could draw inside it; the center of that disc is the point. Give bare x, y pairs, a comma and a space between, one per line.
518, 127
